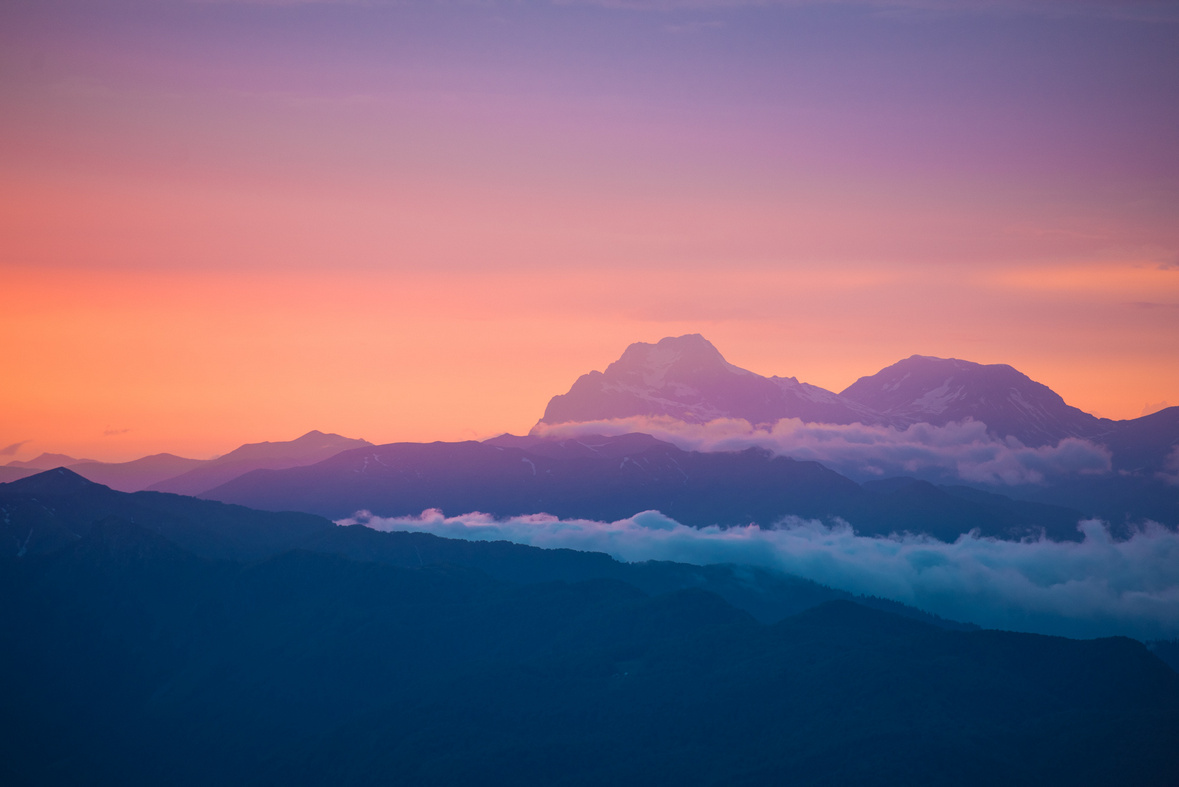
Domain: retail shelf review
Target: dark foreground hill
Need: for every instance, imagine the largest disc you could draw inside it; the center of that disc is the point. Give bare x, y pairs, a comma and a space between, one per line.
127, 659
57, 510
611, 478
390, 658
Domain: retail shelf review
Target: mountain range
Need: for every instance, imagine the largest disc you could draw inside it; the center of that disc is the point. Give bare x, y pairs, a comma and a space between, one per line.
1128, 473
157, 638
169, 473
610, 478
687, 379
241, 637
57, 509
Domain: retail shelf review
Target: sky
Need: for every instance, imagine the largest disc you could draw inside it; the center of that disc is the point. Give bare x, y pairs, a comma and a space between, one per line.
226, 222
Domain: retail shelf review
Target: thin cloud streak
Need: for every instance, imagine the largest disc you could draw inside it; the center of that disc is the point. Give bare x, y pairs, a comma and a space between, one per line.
1097, 587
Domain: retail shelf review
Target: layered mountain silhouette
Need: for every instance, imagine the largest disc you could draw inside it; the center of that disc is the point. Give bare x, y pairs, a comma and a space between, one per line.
686, 378
312, 447
56, 510
1130, 471
13, 473
611, 478
137, 474
170, 473
168, 640
46, 461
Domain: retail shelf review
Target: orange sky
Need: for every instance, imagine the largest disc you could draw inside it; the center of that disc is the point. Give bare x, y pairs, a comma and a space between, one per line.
118, 365
231, 222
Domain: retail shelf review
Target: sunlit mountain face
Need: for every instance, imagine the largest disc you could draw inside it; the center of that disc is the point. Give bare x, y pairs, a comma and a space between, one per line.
687, 379
549, 393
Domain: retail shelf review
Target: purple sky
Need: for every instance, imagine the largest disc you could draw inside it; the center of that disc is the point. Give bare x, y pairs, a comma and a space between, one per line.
509, 193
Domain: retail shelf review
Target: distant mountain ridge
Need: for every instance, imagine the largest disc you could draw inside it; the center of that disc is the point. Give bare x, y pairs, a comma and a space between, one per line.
46, 461
687, 379
315, 446
170, 473
1129, 474
612, 478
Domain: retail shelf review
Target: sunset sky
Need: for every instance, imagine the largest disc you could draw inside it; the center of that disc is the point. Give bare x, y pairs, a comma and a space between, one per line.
226, 222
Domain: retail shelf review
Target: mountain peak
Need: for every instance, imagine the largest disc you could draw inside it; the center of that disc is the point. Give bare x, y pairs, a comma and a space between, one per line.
57, 481
686, 378
938, 391
933, 361
670, 358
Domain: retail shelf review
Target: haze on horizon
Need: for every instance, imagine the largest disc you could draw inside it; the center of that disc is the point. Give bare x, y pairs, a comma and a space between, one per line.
234, 222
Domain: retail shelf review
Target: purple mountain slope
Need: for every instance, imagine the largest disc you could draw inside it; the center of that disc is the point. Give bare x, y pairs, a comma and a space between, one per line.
1147, 444
47, 462
686, 378
315, 446
138, 474
607, 478
939, 391
9, 474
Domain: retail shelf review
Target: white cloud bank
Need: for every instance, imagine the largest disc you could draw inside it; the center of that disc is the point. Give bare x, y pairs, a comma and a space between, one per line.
955, 451
1097, 587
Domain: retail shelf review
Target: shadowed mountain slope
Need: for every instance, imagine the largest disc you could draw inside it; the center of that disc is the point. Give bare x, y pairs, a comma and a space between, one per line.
312, 447
58, 509
611, 478
137, 474
126, 659
15, 473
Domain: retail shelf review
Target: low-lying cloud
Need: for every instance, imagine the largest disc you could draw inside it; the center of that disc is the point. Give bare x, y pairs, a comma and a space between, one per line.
962, 451
1099, 586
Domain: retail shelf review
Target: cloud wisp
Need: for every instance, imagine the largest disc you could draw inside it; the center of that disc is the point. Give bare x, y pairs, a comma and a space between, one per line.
12, 450
1096, 587
959, 451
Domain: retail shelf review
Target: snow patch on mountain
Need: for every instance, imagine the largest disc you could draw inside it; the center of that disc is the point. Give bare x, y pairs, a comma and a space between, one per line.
939, 399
